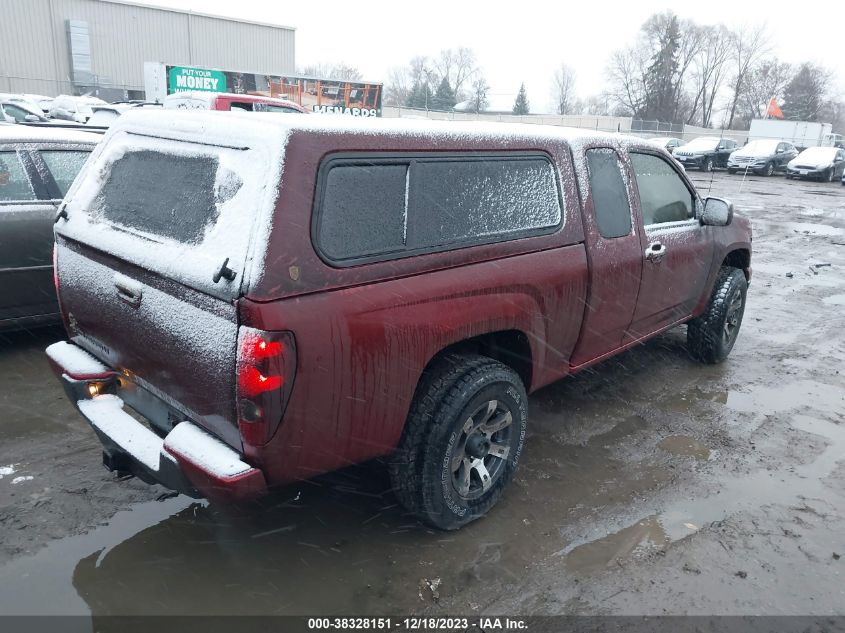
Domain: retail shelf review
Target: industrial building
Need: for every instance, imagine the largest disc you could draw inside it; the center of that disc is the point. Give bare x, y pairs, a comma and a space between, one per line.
99, 47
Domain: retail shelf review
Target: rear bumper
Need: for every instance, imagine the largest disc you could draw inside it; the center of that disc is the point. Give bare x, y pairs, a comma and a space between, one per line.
187, 459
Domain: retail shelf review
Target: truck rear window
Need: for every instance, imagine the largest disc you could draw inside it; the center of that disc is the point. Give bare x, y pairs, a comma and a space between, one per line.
168, 195
370, 208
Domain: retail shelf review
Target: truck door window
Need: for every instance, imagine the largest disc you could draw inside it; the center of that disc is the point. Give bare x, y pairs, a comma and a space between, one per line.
14, 184
240, 105
63, 166
610, 197
664, 197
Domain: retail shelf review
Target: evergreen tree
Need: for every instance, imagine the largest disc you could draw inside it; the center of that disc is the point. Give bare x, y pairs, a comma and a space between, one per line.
444, 98
520, 106
804, 96
420, 96
661, 74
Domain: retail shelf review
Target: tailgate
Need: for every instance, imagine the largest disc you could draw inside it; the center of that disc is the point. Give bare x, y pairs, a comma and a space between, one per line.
173, 341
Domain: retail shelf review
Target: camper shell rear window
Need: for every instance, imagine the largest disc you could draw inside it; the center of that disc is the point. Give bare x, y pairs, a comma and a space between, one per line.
164, 194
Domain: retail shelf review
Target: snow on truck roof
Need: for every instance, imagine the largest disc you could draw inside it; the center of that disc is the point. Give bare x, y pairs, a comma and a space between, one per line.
233, 124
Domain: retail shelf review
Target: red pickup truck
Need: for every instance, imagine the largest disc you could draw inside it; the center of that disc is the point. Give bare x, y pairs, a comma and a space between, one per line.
276, 297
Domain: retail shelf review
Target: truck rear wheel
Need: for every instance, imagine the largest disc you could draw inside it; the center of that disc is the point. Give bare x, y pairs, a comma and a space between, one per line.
711, 336
462, 440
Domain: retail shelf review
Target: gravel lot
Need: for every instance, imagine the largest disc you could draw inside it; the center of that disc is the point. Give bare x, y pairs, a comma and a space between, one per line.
649, 485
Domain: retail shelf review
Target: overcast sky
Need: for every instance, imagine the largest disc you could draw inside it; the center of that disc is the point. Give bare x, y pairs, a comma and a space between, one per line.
515, 41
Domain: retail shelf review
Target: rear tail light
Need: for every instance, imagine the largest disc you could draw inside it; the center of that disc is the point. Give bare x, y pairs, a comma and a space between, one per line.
56, 267
266, 368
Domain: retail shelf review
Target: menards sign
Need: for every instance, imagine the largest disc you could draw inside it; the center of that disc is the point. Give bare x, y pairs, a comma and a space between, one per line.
331, 96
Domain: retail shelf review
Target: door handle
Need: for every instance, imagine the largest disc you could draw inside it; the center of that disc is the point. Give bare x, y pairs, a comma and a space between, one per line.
128, 290
655, 252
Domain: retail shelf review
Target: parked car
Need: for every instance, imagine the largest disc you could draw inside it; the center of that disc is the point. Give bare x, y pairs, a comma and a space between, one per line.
20, 112
670, 143
298, 320
705, 152
764, 156
103, 116
230, 101
70, 108
37, 166
821, 163
30, 100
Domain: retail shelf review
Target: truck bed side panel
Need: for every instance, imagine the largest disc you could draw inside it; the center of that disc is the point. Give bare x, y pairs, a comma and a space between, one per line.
362, 350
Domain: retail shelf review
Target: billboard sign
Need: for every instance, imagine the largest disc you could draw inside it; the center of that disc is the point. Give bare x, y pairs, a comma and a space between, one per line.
180, 78
329, 96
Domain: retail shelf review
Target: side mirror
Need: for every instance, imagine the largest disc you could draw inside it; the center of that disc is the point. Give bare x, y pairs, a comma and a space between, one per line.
31, 118
780, 151
717, 212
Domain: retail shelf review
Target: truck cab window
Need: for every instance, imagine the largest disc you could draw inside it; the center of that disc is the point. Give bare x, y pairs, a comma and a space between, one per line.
664, 197
610, 197
14, 184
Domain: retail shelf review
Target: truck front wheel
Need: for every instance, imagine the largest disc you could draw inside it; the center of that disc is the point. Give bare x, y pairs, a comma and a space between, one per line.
462, 440
711, 336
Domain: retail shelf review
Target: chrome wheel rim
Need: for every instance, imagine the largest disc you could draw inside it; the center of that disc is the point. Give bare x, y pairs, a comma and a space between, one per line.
733, 318
482, 450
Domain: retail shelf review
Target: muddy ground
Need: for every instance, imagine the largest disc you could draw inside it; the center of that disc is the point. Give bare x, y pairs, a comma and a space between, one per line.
649, 485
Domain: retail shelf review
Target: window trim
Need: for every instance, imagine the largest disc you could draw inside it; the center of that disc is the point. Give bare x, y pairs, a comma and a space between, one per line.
410, 159
684, 179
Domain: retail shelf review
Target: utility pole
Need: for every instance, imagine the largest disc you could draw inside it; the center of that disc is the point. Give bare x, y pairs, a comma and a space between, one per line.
427, 87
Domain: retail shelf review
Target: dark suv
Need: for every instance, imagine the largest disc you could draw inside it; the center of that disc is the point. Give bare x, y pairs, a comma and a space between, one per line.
705, 152
762, 157
276, 297
37, 166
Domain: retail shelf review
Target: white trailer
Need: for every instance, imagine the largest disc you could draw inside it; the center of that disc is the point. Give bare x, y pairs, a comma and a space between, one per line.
802, 134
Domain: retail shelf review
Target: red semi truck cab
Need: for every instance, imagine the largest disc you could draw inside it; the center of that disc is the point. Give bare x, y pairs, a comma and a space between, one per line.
278, 297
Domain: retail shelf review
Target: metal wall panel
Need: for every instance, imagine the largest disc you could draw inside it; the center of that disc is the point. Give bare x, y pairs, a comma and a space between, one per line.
34, 49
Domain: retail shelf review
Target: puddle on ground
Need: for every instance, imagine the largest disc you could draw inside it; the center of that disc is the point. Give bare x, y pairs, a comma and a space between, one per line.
802, 394
644, 536
685, 446
338, 540
685, 517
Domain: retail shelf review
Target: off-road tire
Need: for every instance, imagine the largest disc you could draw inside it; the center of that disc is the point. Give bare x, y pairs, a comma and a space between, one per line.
732, 171
769, 170
707, 165
706, 335
829, 177
420, 472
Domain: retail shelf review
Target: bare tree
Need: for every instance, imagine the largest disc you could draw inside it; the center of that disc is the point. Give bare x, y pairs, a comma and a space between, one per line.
563, 89
693, 42
766, 81
402, 79
479, 97
626, 74
458, 66
595, 105
709, 70
331, 70
748, 45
